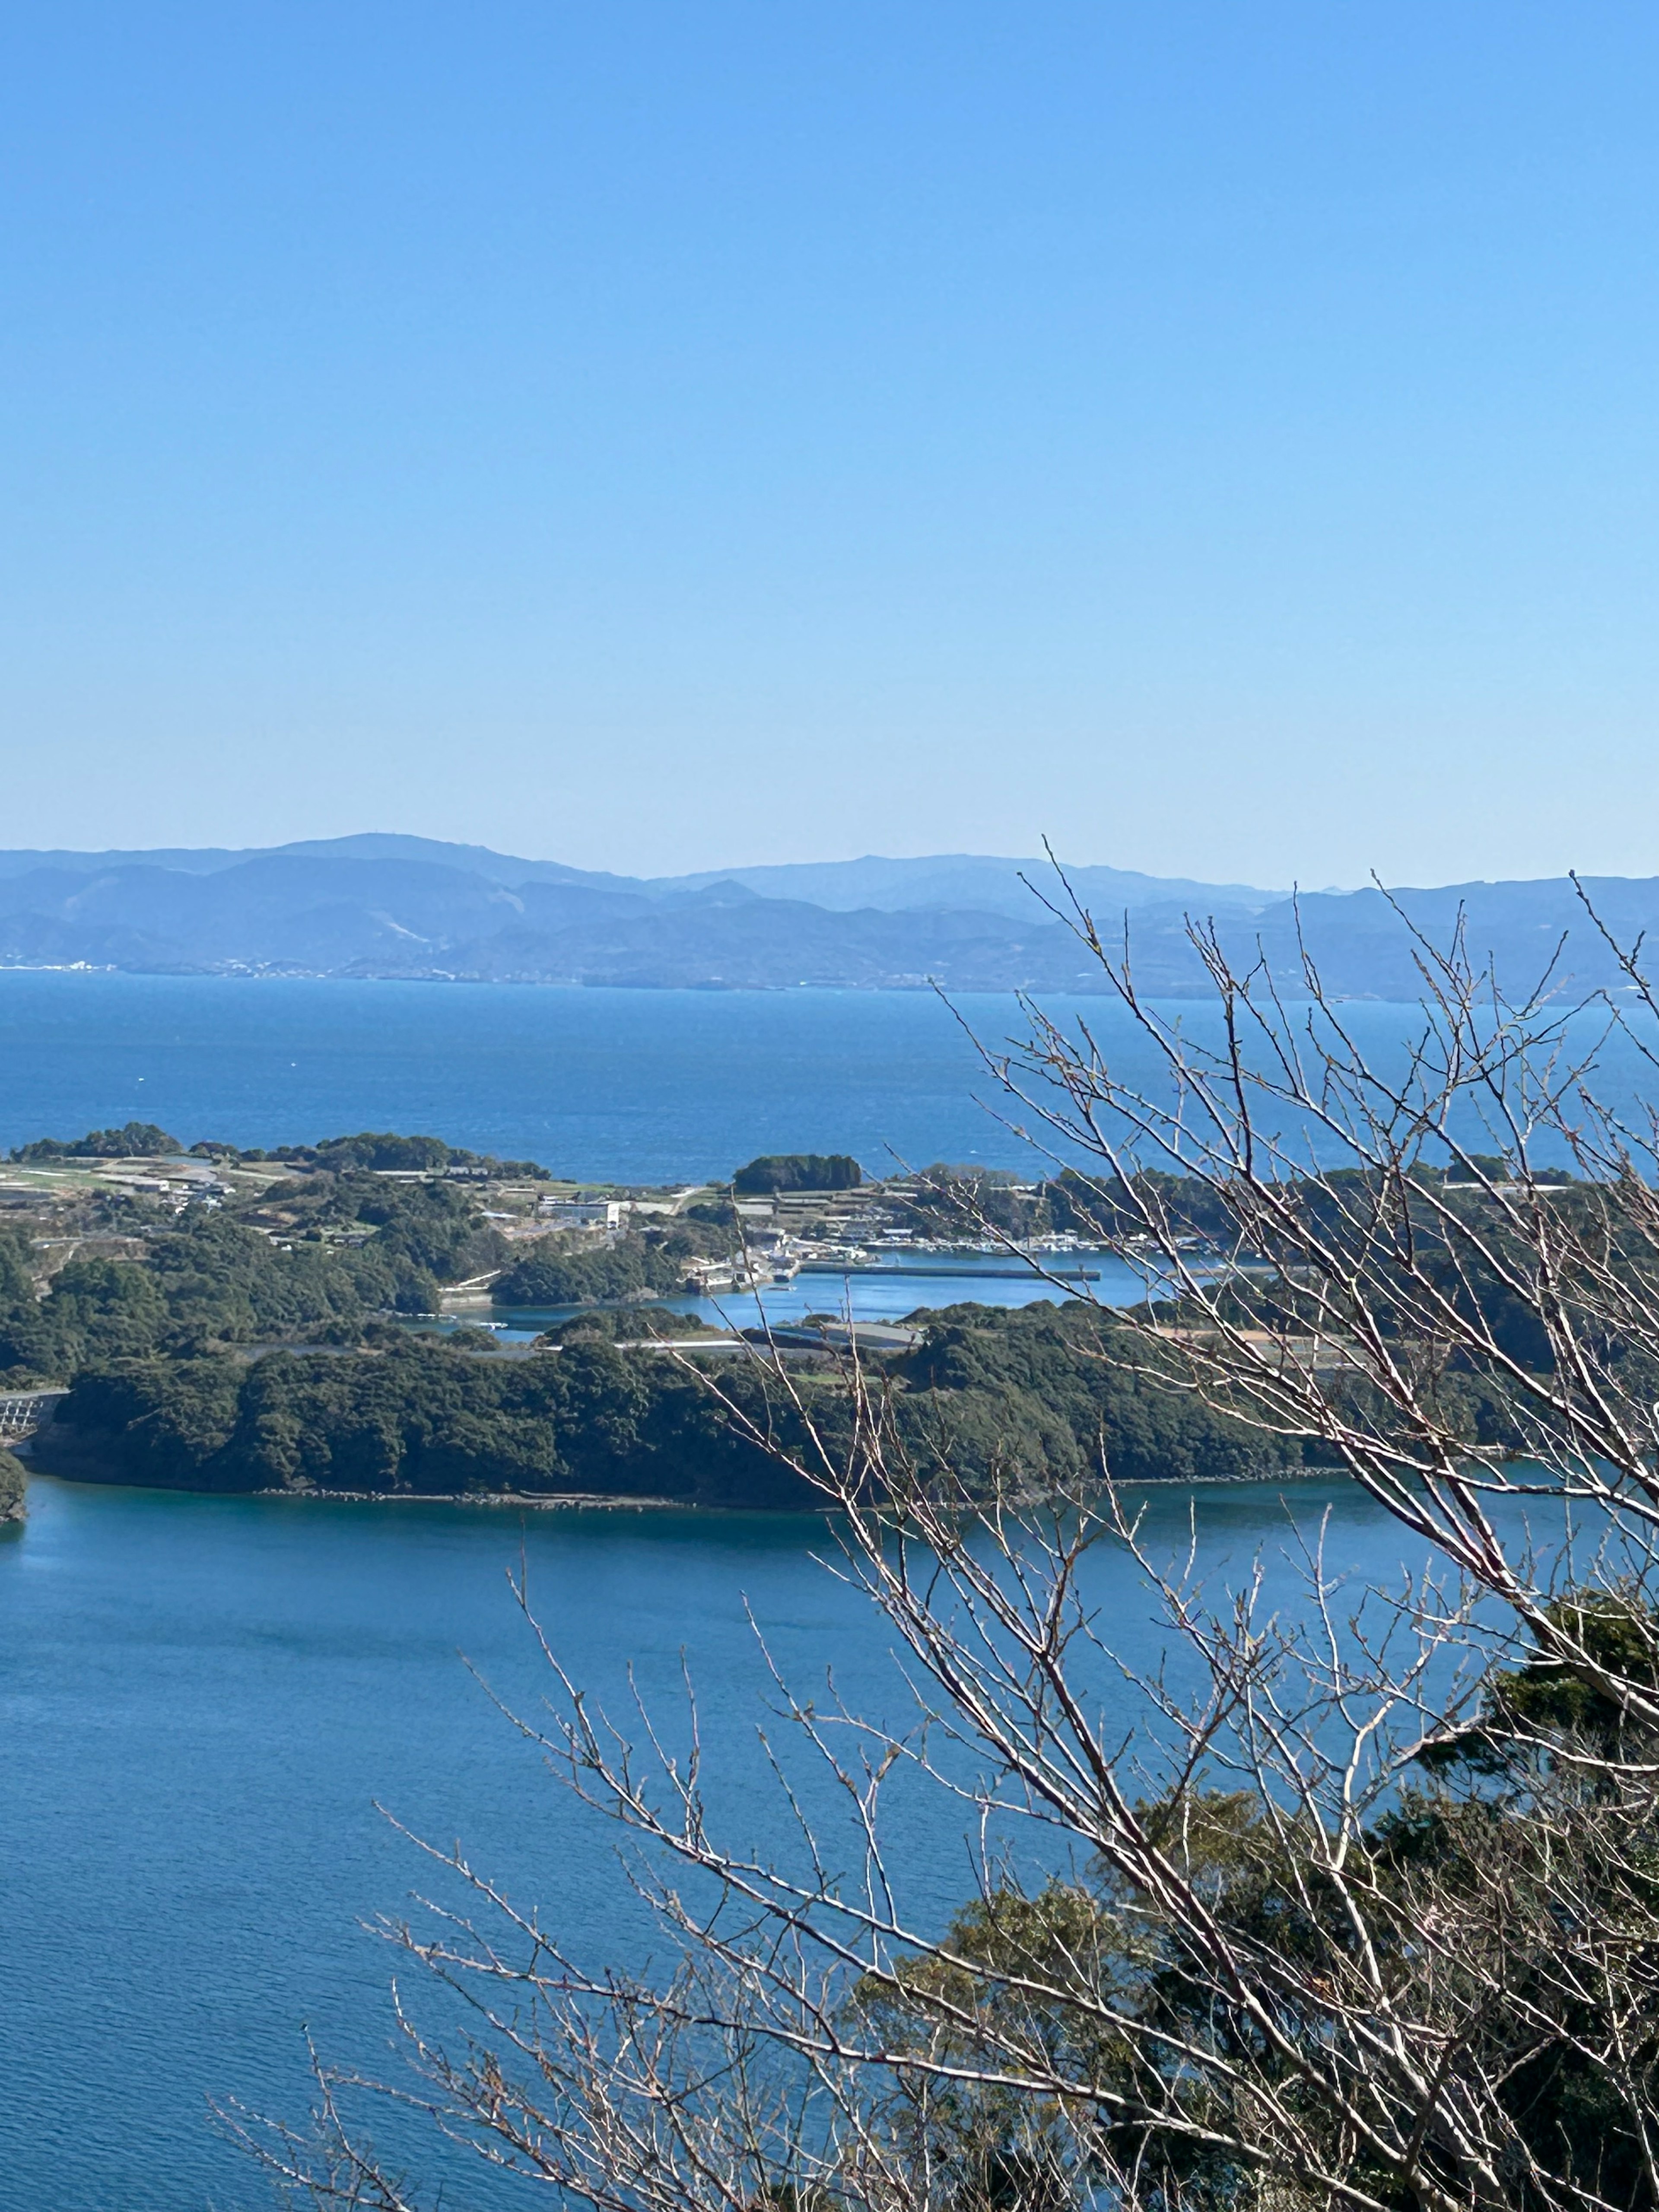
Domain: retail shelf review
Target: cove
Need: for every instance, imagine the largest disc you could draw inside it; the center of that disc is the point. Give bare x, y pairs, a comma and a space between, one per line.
201, 1699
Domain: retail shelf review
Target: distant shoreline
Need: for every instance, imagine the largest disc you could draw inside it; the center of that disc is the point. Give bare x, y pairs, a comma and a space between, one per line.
622, 1501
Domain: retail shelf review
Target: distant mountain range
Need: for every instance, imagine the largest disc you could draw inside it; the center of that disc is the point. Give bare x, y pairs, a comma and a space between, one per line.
948, 880
413, 906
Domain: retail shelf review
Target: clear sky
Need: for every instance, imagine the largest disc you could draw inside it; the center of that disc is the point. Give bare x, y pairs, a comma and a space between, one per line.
1224, 437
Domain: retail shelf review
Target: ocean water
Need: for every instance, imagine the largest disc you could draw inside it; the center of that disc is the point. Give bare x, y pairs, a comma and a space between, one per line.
641, 1086
634, 1087
201, 1701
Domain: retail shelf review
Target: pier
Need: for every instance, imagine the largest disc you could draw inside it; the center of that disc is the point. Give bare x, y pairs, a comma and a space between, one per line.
23, 1412
952, 1267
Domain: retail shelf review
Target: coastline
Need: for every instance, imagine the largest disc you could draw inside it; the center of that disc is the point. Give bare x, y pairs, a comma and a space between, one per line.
627, 1501
541, 1501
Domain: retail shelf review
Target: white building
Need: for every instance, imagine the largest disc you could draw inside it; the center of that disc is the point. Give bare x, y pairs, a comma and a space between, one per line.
581, 1213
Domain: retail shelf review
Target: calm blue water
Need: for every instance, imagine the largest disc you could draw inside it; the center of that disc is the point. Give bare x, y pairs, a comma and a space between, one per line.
200, 1699
875, 1293
644, 1086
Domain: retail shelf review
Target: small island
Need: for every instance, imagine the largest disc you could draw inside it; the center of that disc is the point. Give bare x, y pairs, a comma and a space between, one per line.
236, 1321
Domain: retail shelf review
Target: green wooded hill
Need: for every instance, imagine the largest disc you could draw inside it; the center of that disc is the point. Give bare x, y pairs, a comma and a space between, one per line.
557, 1275
363, 1246
249, 1346
1002, 1397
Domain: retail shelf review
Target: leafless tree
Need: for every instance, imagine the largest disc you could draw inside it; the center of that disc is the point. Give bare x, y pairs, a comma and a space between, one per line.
1363, 1910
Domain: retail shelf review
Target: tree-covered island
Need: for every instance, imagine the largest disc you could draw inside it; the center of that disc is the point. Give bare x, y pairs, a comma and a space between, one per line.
234, 1321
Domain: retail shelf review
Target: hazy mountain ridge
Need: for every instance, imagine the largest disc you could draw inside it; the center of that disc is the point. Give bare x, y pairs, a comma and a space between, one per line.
411, 918
977, 881
396, 910
980, 881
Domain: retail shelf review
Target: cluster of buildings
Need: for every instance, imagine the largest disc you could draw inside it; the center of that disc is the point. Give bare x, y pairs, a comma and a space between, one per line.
606, 1213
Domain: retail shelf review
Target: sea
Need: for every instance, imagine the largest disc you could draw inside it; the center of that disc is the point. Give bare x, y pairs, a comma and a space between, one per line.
222, 1719
213, 1710
624, 1085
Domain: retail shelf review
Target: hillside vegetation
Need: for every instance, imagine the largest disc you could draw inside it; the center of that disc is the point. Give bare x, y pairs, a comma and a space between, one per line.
1007, 1398
251, 1342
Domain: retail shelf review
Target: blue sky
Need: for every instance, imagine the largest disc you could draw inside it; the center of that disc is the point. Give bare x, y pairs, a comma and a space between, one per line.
1225, 438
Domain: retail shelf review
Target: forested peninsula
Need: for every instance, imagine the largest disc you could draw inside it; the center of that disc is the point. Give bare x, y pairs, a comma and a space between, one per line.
992, 1394
245, 1326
